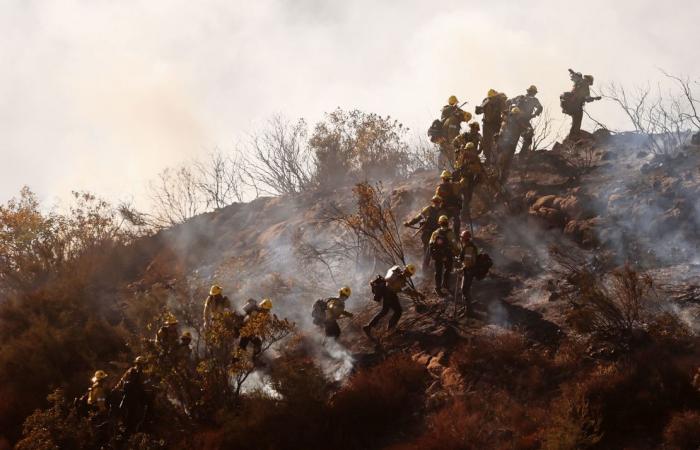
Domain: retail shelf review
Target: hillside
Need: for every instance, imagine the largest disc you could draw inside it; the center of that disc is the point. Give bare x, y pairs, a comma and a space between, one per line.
585, 332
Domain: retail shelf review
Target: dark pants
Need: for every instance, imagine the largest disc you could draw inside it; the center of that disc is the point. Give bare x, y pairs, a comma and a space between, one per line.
332, 329
425, 239
256, 341
454, 212
443, 268
576, 118
467, 278
487, 141
467, 195
506, 150
527, 135
390, 301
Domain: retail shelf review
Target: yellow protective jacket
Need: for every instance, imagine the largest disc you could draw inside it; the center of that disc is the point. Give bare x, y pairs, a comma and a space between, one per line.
97, 395
450, 193
335, 309
468, 255
447, 234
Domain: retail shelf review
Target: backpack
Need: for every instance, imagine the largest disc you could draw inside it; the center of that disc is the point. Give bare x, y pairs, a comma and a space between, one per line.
436, 130
378, 285
318, 312
566, 101
440, 246
482, 266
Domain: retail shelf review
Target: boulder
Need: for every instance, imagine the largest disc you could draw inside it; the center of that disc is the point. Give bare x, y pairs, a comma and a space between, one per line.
421, 358
544, 201
452, 380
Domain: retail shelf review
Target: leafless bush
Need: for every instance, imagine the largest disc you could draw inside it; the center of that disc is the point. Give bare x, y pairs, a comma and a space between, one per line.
184, 192
579, 159
545, 133
664, 118
609, 305
280, 161
374, 224
176, 197
422, 155
219, 179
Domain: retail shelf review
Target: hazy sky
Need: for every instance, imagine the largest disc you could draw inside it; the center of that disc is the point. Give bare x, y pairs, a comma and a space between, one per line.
102, 95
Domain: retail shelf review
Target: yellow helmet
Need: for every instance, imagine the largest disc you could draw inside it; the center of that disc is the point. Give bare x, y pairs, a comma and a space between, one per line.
345, 291
186, 335
99, 375
491, 93
266, 304
532, 89
588, 78
469, 146
411, 269
467, 116
215, 290
140, 360
171, 320
515, 110
452, 100
445, 174
436, 199
443, 220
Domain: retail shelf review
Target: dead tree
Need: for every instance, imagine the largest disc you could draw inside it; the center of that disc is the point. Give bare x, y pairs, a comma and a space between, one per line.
219, 179
280, 161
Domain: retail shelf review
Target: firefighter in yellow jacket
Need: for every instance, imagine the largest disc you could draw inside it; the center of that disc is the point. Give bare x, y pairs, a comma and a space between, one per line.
335, 309
254, 323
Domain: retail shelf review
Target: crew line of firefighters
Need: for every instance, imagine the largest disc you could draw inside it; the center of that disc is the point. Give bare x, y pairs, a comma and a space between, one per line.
504, 122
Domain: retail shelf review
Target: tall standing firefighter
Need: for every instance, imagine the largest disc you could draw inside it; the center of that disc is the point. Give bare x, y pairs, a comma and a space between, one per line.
443, 248
572, 102
428, 219
216, 303
386, 290
530, 107
474, 265
443, 131
492, 107
326, 312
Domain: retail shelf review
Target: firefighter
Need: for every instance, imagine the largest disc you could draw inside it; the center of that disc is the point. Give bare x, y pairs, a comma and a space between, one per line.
493, 106
254, 323
530, 107
428, 218
216, 303
134, 403
443, 248
396, 280
451, 194
470, 172
98, 393
184, 349
572, 102
512, 126
167, 336
452, 117
472, 136
335, 309
467, 257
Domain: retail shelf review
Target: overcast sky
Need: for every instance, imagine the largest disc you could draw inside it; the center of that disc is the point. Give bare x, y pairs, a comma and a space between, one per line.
102, 95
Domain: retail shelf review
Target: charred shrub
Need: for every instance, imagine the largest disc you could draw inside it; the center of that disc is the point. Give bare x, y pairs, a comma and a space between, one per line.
506, 361
683, 431
375, 402
480, 420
